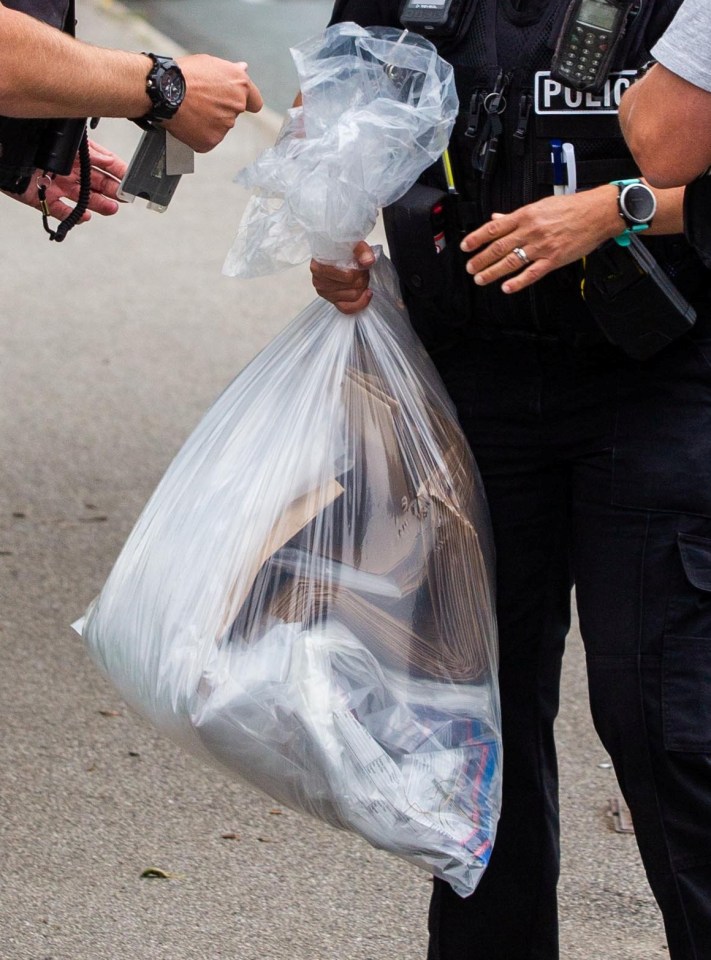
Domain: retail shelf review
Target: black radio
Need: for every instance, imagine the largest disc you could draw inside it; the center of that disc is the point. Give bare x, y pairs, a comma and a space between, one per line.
588, 42
439, 19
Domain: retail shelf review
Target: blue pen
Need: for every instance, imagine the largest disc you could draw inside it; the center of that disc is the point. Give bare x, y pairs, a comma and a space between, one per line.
558, 167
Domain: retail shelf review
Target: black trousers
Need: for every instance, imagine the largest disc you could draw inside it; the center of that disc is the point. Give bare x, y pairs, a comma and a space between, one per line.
598, 473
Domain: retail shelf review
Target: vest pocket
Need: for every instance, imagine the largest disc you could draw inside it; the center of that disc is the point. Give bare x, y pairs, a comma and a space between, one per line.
686, 657
423, 240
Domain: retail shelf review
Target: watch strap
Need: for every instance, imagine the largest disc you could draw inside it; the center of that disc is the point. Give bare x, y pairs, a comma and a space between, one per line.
624, 238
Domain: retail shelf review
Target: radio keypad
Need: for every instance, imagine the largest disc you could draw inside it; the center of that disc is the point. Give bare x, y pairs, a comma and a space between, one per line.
586, 50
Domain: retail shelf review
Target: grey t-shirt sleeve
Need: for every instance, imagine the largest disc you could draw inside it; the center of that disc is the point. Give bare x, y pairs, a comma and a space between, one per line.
685, 48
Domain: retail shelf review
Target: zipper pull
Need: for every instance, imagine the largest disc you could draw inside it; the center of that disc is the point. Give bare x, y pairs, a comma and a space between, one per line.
524, 114
494, 104
475, 106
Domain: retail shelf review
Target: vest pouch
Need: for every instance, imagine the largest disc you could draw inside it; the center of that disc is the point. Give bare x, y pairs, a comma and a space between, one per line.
633, 302
423, 240
19, 143
697, 217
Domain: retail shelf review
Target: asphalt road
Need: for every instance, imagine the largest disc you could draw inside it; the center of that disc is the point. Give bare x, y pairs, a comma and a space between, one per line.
259, 31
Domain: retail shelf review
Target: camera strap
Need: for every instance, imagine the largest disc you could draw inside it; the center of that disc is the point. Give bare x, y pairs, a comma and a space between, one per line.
82, 203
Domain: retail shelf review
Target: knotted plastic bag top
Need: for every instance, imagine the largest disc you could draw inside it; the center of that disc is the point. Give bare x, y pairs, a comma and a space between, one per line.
378, 109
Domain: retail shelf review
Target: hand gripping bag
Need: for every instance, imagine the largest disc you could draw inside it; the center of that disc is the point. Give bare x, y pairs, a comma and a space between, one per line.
306, 599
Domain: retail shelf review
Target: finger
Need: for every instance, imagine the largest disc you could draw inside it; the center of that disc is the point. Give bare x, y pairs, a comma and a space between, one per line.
60, 210
529, 276
340, 294
327, 275
105, 184
102, 205
100, 182
107, 161
490, 232
363, 253
349, 308
501, 267
102, 197
497, 255
254, 99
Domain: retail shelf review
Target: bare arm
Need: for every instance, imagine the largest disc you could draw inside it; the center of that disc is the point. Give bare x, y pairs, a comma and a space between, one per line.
667, 124
556, 231
47, 73
553, 232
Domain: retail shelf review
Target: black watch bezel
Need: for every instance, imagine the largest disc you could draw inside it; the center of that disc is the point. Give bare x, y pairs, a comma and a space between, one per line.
627, 192
160, 83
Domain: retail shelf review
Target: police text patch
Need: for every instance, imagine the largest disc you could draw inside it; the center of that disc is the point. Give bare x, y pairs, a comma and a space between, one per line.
553, 97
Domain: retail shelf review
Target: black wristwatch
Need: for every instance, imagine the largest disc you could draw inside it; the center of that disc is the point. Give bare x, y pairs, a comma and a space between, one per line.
637, 206
165, 85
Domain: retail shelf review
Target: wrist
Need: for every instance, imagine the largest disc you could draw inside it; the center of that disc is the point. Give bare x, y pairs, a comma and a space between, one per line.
637, 205
165, 88
606, 205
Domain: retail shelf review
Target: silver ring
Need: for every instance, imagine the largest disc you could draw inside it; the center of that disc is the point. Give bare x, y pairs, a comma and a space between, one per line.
521, 254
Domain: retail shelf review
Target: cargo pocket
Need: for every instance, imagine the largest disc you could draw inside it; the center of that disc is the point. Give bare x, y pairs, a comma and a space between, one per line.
686, 657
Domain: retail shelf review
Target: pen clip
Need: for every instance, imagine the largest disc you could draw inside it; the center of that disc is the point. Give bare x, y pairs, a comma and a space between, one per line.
571, 183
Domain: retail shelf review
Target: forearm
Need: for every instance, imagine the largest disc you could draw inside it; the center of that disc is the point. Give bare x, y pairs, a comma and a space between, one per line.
666, 122
47, 73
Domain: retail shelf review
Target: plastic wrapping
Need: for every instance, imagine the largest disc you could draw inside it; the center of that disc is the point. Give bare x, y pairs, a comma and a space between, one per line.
307, 597
378, 108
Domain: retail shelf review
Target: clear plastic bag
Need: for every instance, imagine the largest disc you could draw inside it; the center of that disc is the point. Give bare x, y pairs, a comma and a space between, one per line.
378, 108
307, 597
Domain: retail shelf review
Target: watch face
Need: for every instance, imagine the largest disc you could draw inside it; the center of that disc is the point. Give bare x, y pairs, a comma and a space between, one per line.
638, 203
172, 87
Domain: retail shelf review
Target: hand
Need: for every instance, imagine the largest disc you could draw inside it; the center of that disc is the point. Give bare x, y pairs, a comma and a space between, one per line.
217, 91
547, 234
106, 173
346, 289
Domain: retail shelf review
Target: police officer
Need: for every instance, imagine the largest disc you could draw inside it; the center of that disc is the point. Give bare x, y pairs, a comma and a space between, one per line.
46, 73
595, 456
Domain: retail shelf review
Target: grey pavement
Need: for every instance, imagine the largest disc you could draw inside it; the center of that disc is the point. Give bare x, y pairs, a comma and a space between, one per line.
111, 347
260, 31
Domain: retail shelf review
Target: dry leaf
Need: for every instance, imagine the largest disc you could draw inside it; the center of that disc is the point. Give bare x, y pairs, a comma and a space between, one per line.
155, 873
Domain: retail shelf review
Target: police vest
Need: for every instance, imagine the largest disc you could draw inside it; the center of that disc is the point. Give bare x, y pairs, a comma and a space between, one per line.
20, 140
533, 109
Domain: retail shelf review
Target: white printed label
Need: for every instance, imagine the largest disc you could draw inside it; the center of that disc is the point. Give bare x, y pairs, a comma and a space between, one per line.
553, 97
